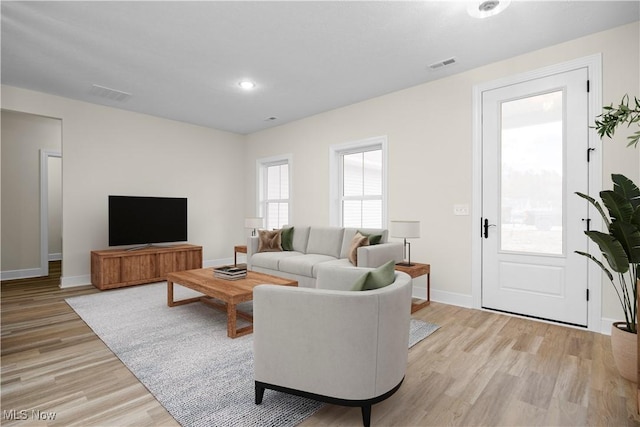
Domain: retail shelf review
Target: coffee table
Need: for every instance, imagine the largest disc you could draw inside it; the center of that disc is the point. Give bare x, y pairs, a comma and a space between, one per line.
229, 292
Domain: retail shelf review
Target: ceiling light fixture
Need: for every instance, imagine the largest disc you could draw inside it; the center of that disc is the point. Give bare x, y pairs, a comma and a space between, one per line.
487, 8
247, 84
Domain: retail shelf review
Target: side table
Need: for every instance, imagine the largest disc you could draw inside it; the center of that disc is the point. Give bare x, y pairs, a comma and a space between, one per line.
238, 249
417, 271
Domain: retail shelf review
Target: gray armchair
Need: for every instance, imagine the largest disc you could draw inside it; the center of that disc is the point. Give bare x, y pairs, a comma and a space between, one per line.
330, 344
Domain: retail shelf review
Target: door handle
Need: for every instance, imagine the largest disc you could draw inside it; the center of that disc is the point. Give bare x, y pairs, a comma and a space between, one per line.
486, 226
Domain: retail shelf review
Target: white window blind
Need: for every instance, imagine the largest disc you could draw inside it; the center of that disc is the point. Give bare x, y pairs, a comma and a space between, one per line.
361, 186
274, 193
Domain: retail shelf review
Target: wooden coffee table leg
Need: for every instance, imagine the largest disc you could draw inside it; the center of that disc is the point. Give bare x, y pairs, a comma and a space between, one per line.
171, 302
232, 322
169, 293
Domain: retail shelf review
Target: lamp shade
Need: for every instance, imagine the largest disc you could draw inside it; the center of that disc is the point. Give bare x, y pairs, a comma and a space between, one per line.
253, 222
405, 229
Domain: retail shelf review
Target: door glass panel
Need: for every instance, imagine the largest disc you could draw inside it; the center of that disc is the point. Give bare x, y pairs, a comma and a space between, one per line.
531, 174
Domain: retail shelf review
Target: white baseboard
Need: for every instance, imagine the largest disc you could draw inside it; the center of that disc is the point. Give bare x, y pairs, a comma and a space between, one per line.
73, 281
605, 325
452, 298
22, 274
445, 297
55, 257
217, 262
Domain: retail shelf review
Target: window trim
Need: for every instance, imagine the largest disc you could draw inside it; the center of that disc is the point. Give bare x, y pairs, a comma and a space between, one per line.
261, 166
335, 174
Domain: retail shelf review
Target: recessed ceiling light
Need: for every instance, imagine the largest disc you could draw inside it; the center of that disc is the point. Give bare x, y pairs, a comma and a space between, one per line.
247, 84
487, 8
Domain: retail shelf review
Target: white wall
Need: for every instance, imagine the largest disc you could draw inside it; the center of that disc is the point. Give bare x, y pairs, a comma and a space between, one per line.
23, 136
429, 129
112, 151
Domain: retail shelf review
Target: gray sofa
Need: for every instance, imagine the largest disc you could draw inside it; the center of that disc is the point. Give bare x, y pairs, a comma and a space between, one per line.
316, 248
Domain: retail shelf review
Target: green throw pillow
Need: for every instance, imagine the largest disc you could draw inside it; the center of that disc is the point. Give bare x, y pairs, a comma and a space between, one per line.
359, 284
287, 239
374, 239
376, 279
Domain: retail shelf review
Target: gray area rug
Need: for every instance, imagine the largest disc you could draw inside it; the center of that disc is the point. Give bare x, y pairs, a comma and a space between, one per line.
185, 359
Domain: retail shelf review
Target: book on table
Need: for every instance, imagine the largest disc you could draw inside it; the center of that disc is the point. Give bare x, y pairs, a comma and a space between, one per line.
230, 272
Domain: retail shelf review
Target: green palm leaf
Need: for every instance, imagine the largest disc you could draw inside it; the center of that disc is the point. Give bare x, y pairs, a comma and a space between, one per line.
627, 189
629, 237
619, 208
635, 220
597, 261
611, 249
597, 205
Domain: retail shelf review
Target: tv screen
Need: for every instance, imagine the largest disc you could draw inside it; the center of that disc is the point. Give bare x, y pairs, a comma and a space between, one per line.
145, 220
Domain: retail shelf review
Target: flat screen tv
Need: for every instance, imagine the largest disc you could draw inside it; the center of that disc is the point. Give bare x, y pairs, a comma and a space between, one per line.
137, 220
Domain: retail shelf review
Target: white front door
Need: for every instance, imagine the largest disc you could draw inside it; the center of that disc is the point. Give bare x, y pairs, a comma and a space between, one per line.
534, 148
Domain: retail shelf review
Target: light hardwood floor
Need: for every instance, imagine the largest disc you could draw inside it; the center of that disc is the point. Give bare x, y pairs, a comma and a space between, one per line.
480, 368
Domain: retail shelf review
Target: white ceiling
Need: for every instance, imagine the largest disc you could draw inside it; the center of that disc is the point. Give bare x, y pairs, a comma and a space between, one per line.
183, 60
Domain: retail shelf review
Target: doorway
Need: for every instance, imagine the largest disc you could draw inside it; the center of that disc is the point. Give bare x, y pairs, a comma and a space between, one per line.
27, 139
50, 208
533, 140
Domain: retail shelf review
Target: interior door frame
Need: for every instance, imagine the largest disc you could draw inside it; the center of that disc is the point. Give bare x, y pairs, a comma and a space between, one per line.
593, 63
44, 208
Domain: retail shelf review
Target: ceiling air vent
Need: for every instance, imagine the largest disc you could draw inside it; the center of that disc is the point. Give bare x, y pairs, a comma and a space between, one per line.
440, 64
112, 94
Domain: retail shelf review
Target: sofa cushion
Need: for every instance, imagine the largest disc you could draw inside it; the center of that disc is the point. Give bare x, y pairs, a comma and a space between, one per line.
350, 232
300, 239
336, 263
325, 241
357, 241
269, 240
287, 238
377, 278
271, 260
303, 265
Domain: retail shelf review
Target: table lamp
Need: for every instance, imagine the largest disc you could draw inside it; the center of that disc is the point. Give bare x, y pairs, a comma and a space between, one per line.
406, 230
253, 223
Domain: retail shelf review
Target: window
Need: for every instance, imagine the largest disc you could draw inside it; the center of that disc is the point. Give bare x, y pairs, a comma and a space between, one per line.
358, 172
274, 190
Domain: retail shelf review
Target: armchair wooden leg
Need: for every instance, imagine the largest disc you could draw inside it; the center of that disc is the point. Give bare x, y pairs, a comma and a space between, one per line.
259, 394
366, 415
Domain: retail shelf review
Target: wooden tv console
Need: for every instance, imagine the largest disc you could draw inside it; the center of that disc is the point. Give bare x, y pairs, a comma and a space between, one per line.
116, 268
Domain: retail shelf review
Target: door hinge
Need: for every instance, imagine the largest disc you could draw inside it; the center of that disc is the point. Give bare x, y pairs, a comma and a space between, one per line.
587, 294
589, 150
588, 221
588, 86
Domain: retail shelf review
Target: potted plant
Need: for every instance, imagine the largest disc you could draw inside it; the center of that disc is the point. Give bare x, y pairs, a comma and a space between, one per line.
620, 245
615, 116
